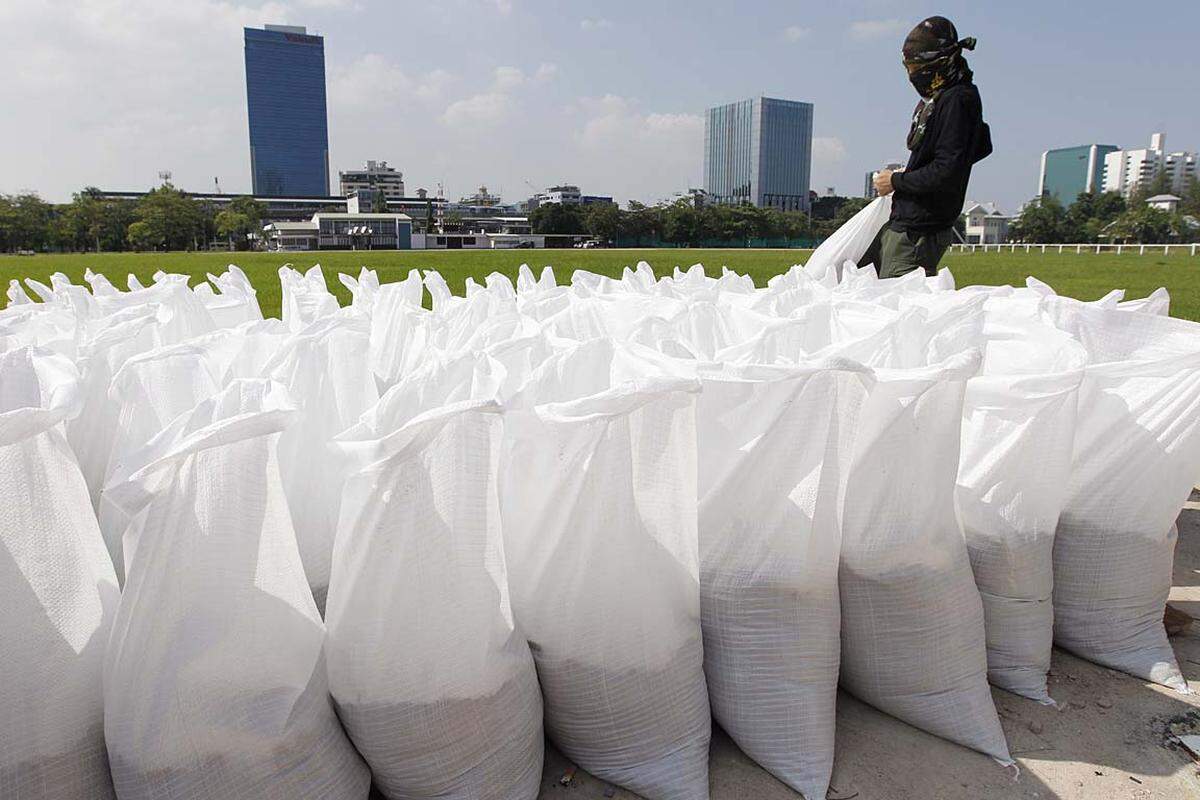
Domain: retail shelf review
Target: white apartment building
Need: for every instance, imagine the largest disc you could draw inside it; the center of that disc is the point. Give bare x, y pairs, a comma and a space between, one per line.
375, 176
1124, 170
985, 223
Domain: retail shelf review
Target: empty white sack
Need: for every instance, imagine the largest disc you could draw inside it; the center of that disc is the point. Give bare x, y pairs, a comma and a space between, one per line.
214, 680
58, 588
432, 679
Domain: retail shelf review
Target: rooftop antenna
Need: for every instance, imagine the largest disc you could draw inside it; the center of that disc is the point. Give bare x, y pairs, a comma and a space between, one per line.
217, 185
164, 175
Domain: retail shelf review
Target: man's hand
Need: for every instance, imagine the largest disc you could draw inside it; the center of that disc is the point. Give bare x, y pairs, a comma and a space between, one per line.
883, 182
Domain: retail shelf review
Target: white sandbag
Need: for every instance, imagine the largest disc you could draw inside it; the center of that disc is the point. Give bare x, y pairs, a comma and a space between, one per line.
1136, 459
912, 621
850, 242
214, 680
328, 379
1017, 433
775, 445
148, 392
599, 515
59, 592
435, 685
237, 301
304, 298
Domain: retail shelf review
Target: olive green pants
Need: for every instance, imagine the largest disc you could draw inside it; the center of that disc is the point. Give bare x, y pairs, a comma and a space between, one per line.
895, 253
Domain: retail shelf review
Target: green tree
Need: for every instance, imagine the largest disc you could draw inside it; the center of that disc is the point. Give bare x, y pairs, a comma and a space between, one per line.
1190, 198
142, 237
602, 220
241, 218
25, 221
640, 224
172, 220
557, 218
1141, 224
1042, 220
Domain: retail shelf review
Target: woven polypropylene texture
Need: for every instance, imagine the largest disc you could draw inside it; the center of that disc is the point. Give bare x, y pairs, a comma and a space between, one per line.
774, 446
599, 511
215, 680
434, 684
59, 597
912, 621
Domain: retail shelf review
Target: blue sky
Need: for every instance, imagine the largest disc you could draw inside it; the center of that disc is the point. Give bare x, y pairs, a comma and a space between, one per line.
607, 95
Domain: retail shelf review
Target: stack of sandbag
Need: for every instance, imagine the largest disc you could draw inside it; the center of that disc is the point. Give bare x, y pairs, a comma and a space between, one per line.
1136, 458
432, 679
214, 680
598, 508
58, 588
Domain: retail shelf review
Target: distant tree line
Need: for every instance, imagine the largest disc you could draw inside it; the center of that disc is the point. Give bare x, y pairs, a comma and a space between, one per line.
1109, 217
683, 223
164, 219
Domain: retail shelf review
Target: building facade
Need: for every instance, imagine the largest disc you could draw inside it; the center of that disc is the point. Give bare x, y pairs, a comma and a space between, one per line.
759, 151
1067, 172
985, 224
342, 231
1125, 170
285, 98
567, 194
375, 178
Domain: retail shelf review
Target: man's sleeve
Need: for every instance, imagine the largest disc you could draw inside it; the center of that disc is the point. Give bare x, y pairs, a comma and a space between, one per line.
953, 151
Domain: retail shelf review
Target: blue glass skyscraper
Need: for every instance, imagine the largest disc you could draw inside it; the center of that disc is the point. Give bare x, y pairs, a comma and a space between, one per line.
285, 96
759, 151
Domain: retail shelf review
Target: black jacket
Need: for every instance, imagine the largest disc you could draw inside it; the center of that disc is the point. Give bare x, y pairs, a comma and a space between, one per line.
929, 193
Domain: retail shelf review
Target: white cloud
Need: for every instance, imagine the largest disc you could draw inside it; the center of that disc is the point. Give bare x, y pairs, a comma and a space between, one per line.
508, 78
866, 30
658, 153
597, 24
828, 149
794, 33
503, 6
485, 109
546, 71
372, 79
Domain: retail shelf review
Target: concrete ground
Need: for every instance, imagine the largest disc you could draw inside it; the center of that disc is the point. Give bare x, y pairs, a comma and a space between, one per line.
1110, 740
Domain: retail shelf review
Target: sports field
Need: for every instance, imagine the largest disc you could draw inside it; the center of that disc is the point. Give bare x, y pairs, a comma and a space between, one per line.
1086, 276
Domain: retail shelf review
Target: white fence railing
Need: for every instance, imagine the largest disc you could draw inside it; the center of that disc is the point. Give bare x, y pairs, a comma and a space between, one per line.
1140, 249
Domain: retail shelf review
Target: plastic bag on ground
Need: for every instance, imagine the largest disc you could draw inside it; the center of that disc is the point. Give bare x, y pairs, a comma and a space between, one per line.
1136, 459
214, 680
912, 621
774, 446
60, 593
599, 514
435, 685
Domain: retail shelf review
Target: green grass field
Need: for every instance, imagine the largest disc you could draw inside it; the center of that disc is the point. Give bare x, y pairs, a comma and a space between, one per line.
1085, 276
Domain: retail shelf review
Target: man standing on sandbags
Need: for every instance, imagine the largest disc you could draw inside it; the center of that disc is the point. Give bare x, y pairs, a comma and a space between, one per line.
948, 135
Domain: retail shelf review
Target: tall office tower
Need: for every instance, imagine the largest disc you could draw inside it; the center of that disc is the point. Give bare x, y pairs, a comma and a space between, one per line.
1067, 172
285, 96
759, 151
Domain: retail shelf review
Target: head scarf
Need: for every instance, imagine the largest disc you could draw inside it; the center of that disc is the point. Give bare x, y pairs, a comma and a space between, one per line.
934, 60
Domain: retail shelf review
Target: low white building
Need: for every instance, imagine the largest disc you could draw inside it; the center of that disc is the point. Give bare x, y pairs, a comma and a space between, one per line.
1167, 202
341, 231
1125, 170
985, 223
